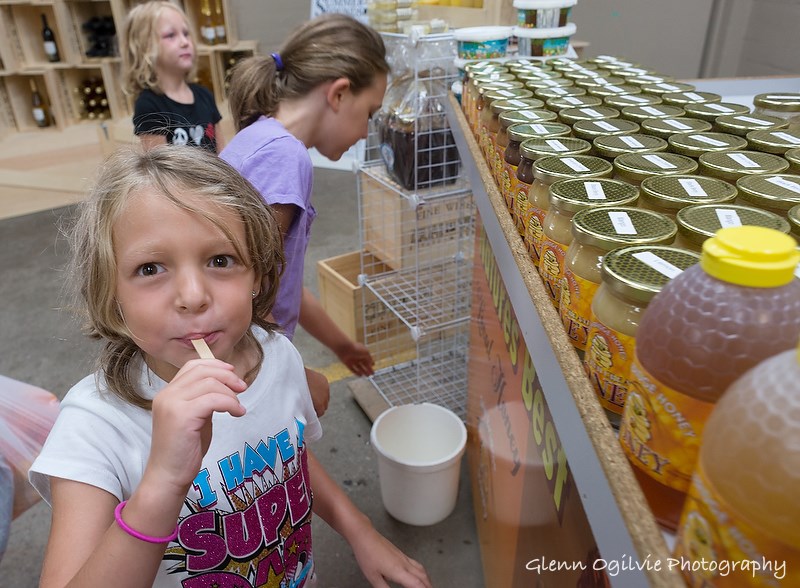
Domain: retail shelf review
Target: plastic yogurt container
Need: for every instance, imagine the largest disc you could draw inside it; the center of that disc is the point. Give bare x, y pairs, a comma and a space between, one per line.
482, 42
544, 42
543, 14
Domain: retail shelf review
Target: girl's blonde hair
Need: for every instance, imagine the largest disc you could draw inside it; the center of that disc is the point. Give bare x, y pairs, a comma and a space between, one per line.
139, 46
172, 172
326, 48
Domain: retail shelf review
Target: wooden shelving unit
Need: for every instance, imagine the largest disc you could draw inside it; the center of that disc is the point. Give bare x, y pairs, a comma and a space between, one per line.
22, 57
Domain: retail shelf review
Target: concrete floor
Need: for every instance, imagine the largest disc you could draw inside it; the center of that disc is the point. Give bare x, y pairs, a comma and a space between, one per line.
41, 344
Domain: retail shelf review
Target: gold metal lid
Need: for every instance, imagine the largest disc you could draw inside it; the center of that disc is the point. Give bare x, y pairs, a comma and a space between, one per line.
793, 157
528, 115
521, 131
780, 101
683, 98
554, 168
661, 88
641, 113
538, 147
640, 272
504, 105
699, 222
778, 142
568, 64
678, 191
608, 228
666, 127
492, 78
573, 115
794, 220
591, 81
613, 90
548, 83
731, 165
622, 100
559, 92
475, 67
711, 110
741, 124
560, 103
505, 94
591, 129
695, 144
771, 191
575, 194
530, 74
610, 146
487, 87
635, 167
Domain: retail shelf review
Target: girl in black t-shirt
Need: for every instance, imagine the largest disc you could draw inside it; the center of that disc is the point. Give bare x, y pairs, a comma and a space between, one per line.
158, 56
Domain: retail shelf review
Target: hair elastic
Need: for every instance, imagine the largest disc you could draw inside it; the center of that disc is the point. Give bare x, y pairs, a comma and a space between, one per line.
278, 61
136, 534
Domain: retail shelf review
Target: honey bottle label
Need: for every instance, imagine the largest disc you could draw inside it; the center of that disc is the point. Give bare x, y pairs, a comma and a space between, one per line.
521, 204
551, 267
534, 233
661, 429
497, 164
575, 307
717, 548
509, 184
609, 355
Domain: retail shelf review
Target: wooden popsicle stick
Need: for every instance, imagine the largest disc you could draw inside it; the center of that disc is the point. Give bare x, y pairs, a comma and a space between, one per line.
202, 349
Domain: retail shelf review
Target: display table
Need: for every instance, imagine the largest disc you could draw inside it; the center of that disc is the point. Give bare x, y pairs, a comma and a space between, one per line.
556, 502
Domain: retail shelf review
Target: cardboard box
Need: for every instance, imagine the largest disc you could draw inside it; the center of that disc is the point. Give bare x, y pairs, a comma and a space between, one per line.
405, 236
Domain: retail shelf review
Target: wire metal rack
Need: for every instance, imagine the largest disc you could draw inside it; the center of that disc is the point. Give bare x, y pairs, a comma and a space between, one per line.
417, 230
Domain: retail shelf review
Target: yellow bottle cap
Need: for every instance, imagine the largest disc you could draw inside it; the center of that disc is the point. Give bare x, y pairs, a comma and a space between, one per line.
752, 256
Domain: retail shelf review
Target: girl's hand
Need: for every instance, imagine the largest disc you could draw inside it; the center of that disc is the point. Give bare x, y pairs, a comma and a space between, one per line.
382, 562
357, 358
182, 414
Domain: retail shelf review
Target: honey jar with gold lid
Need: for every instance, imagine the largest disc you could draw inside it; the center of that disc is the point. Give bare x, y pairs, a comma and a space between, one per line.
669, 194
642, 113
666, 127
774, 192
777, 142
732, 165
683, 98
699, 222
741, 124
695, 144
631, 278
710, 111
784, 105
611, 146
595, 232
635, 167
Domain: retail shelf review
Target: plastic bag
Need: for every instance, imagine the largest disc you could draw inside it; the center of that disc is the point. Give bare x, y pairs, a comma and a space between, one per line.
27, 414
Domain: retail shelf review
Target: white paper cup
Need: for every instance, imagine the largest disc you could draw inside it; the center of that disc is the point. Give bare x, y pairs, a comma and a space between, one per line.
419, 449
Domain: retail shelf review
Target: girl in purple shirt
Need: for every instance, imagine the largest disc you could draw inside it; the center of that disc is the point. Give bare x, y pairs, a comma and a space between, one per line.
318, 91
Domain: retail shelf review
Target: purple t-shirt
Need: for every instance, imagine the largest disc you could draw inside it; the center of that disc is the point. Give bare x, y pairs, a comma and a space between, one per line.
279, 167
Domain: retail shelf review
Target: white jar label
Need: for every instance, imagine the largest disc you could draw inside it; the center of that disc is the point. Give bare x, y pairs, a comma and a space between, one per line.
572, 100
719, 108
594, 191
662, 266
530, 116
606, 126
38, 115
794, 140
659, 161
728, 218
575, 165
505, 93
743, 160
708, 140
676, 124
694, 96
692, 187
556, 145
631, 141
560, 91
591, 112
653, 111
539, 129
638, 99
784, 183
519, 103
668, 87
622, 223
755, 121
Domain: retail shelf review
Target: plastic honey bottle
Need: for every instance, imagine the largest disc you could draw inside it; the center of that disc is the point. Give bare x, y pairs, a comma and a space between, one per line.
709, 325
742, 505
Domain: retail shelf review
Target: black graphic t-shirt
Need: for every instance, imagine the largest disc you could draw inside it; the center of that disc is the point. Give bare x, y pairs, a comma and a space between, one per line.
183, 124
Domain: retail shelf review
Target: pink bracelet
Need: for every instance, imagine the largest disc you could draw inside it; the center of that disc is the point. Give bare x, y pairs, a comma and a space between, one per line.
134, 533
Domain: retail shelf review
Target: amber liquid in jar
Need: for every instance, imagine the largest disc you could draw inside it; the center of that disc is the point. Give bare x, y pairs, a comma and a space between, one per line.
508, 181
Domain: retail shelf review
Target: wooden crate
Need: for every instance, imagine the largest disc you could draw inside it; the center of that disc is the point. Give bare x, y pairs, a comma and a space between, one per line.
403, 235
348, 303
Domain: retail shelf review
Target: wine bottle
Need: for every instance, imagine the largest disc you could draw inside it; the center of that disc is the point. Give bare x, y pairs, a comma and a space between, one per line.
50, 47
219, 21
207, 29
38, 108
